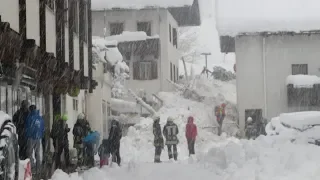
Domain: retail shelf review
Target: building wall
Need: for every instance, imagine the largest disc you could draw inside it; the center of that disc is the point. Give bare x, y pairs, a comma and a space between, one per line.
50, 31
280, 53
101, 94
250, 91
33, 20
10, 13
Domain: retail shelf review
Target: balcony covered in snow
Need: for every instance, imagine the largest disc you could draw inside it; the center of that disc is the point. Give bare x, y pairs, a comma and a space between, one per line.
303, 90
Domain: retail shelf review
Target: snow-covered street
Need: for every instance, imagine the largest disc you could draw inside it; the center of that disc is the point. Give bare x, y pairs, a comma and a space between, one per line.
224, 158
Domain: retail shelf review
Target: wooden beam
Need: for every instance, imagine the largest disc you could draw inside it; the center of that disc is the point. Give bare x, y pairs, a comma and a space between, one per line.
90, 46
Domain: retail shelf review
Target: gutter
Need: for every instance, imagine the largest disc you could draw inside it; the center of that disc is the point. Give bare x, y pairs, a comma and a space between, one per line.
264, 75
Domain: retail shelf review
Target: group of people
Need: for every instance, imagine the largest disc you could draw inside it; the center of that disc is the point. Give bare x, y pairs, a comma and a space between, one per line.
30, 130
31, 135
170, 132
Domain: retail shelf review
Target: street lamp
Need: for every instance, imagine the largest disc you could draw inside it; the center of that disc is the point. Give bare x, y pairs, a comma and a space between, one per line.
206, 55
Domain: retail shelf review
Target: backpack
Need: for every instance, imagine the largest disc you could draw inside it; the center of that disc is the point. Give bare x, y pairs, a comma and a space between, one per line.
36, 127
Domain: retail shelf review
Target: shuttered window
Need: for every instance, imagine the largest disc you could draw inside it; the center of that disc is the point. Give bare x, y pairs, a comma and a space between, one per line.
145, 70
299, 69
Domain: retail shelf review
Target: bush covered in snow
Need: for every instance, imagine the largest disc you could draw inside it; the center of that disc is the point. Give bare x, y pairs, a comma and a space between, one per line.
222, 74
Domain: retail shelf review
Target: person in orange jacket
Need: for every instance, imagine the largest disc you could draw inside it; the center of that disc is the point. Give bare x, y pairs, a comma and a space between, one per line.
220, 115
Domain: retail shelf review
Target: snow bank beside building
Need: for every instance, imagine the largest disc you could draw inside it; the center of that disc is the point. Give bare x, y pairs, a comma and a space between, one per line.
303, 81
250, 16
302, 126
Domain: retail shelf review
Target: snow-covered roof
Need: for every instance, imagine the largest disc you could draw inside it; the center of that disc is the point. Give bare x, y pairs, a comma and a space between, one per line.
303, 81
250, 16
138, 4
128, 36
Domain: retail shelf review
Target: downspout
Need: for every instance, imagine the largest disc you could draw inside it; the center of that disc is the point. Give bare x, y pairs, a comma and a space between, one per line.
264, 75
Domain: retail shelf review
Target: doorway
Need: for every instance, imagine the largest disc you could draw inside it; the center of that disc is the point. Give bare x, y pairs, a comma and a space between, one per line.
255, 114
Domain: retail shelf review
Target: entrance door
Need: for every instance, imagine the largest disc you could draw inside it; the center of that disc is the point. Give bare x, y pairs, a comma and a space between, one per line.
255, 114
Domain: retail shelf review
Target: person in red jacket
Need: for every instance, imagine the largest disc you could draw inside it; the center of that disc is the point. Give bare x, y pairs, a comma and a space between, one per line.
191, 134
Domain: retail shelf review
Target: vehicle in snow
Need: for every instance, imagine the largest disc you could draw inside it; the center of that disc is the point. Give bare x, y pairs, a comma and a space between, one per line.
9, 153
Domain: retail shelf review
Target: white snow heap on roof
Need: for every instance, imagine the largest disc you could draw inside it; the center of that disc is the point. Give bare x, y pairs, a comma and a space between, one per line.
102, 47
248, 16
138, 4
303, 81
128, 36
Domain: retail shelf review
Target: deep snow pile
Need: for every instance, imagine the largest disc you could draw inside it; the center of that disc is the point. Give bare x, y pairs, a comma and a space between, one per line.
298, 126
303, 81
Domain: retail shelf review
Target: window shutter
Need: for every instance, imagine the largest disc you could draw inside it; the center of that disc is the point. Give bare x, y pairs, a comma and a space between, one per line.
136, 71
154, 68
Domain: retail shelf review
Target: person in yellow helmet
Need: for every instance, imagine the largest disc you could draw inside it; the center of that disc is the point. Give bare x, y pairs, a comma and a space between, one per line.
60, 135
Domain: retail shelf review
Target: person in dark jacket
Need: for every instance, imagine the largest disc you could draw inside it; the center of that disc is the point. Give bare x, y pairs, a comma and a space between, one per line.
115, 136
19, 119
34, 134
60, 134
191, 134
251, 130
170, 132
104, 152
158, 139
80, 130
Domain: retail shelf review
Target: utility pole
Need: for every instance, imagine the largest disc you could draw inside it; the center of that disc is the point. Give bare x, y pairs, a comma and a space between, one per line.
206, 55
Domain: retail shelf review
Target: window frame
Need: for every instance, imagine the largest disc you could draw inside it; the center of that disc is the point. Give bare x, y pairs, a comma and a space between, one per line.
299, 67
145, 66
170, 31
148, 29
111, 28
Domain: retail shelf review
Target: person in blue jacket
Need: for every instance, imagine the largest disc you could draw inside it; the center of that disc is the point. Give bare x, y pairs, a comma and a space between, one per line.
34, 134
91, 141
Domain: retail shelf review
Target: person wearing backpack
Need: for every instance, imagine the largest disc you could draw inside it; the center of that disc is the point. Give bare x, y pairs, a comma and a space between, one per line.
34, 134
79, 132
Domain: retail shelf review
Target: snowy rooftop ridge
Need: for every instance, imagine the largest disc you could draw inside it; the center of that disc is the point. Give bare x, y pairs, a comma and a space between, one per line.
254, 16
138, 4
303, 81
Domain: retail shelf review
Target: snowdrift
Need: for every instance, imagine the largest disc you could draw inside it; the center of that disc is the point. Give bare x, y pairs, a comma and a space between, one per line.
298, 126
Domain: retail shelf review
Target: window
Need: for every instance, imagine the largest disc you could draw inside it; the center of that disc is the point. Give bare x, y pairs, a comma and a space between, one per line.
170, 32
171, 72
128, 56
174, 73
145, 70
299, 69
50, 4
104, 118
177, 72
144, 26
86, 22
66, 15
75, 104
116, 28
76, 16
175, 37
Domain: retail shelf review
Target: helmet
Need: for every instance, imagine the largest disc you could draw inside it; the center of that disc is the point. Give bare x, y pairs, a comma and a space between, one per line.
170, 119
64, 117
223, 105
81, 116
249, 119
156, 118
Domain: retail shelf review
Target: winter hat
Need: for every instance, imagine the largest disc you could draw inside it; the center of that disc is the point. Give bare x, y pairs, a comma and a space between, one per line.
190, 118
170, 119
81, 116
64, 117
249, 119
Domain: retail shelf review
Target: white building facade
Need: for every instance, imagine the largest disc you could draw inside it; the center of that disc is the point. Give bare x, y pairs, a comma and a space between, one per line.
264, 61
